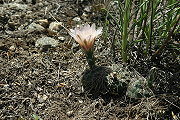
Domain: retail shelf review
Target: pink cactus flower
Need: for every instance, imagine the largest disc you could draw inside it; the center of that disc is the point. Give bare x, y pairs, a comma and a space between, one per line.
85, 35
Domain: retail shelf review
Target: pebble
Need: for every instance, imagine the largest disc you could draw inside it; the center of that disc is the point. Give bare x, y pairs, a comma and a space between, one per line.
84, 16
29, 84
42, 98
55, 26
41, 105
29, 12
61, 38
80, 101
87, 9
40, 4
77, 19
35, 27
31, 1
44, 41
39, 89
6, 86
17, 6
70, 113
12, 48
43, 22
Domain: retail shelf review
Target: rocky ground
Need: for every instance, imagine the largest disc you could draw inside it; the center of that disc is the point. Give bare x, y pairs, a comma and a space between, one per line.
41, 67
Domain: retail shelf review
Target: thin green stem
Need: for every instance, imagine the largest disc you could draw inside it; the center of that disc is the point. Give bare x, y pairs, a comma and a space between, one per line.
151, 26
170, 33
125, 30
90, 59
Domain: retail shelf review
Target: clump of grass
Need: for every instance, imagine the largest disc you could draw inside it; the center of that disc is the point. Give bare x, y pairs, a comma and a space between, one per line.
147, 25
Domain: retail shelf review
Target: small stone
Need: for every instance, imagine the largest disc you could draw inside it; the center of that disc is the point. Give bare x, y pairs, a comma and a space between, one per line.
41, 105
40, 4
17, 1
33, 100
50, 82
43, 22
45, 41
54, 26
31, 1
80, 101
61, 38
77, 19
70, 95
9, 32
29, 84
84, 16
17, 6
35, 27
39, 89
35, 94
87, 9
12, 48
138, 88
70, 113
6, 86
42, 98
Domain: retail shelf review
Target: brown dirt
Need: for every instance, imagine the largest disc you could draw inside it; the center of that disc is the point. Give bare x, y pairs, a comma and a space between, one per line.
47, 84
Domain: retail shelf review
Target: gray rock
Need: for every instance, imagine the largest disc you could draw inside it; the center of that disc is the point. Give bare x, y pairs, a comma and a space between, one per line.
46, 41
70, 113
88, 8
77, 19
35, 27
42, 98
12, 48
85, 16
138, 88
29, 1
43, 22
55, 26
61, 38
17, 6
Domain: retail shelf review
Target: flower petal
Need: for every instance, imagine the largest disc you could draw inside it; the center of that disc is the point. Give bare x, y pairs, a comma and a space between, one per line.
99, 31
85, 35
93, 27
